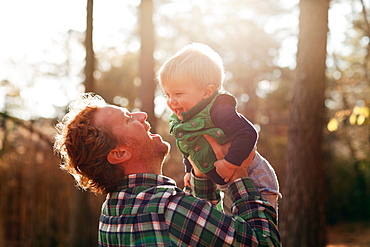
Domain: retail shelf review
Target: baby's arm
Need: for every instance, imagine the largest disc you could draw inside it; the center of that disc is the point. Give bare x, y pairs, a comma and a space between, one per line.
238, 130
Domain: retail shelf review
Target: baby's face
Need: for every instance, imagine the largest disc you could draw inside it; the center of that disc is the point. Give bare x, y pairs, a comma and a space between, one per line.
181, 98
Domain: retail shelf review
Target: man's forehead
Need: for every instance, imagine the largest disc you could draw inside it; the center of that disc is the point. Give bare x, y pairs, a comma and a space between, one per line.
109, 113
112, 109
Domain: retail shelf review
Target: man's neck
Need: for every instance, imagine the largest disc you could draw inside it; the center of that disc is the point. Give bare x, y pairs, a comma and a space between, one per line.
142, 168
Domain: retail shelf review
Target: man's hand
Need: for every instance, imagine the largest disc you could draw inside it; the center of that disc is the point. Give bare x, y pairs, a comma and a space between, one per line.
225, 169
221, 151
241, 171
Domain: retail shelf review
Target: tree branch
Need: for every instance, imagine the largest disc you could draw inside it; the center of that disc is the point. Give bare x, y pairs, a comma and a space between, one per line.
30, 128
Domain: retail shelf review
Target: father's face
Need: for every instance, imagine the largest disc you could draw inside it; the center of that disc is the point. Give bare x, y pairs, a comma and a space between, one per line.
134, 130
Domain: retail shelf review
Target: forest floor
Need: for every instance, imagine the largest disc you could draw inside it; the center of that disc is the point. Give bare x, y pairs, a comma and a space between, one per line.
349, 235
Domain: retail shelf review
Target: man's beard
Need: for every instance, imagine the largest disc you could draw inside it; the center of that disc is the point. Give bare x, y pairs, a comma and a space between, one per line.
160, 151
149, 151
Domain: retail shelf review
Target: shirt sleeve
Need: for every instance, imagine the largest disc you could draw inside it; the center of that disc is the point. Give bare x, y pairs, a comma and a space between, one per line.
193, 221
204, 188
237, 129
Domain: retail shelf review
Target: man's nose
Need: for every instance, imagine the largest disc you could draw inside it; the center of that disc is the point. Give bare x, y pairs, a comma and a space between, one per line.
141, 116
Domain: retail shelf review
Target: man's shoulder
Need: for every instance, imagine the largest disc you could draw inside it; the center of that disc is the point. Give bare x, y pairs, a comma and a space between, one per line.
170, 197
140, 199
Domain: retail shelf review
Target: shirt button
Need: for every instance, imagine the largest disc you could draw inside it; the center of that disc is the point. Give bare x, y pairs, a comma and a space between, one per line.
180, 134
196, 148
193, 124
205, 165
218, 133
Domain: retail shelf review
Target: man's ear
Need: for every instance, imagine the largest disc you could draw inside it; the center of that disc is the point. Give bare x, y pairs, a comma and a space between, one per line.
210, 89
118, 155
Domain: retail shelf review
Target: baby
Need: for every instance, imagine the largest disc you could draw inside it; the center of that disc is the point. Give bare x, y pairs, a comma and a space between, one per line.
192, 81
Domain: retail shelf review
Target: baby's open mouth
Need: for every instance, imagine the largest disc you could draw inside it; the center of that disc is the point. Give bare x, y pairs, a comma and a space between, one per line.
178, 111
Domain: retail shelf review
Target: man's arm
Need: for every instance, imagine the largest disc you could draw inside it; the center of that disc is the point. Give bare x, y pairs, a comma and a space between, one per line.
193, 221
254, 220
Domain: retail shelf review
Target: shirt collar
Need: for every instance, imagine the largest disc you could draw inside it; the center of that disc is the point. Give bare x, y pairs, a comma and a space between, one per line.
145, 179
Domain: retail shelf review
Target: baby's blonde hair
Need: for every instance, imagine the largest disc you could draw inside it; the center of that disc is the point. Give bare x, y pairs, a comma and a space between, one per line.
195, 63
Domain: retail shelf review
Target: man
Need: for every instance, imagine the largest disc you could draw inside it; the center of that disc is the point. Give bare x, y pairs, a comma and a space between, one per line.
111, 150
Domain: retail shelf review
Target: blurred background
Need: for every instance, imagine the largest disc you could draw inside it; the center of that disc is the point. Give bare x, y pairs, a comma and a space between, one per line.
298, 69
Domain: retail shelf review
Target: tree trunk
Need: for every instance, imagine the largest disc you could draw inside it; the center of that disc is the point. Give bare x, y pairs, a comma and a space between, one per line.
90, 57
83, 226
146, 69
302, 218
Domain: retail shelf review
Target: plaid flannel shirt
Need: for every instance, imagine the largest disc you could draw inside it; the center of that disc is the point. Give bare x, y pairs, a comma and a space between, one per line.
149, 210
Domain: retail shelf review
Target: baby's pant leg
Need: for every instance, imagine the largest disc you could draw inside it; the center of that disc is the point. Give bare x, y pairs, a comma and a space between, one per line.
264, 179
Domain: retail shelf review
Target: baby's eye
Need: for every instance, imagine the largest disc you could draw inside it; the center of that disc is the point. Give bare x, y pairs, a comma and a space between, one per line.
179, 94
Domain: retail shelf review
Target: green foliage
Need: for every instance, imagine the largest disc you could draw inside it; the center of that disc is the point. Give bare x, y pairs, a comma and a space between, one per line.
348, 186
347, 143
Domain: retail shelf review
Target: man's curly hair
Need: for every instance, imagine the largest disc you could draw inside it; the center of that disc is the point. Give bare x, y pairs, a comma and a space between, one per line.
83, 146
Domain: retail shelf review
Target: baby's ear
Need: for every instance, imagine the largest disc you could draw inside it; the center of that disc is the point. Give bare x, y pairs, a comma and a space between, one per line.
118, 155
210, 89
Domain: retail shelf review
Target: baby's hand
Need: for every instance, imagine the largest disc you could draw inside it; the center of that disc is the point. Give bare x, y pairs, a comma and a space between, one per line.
187, 179
225, 169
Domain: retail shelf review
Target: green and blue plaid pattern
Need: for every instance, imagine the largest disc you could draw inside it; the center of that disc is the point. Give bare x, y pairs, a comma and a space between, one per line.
149, 210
